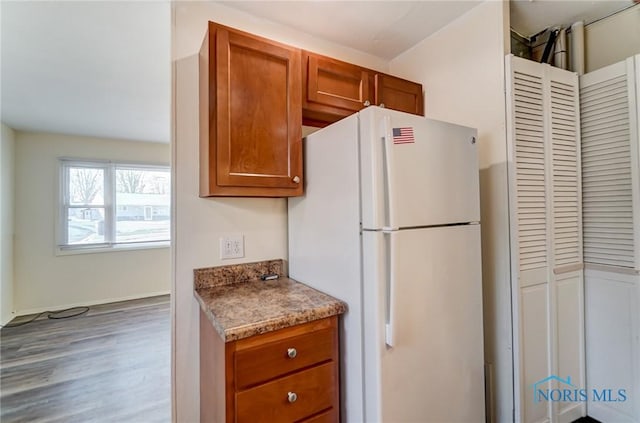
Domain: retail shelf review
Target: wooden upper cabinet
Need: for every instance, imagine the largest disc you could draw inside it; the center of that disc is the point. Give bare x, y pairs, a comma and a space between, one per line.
250, 116
398, 94
254, 93
333, 89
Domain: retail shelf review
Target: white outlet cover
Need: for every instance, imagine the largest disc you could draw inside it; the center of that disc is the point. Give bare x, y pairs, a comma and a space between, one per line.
232, 246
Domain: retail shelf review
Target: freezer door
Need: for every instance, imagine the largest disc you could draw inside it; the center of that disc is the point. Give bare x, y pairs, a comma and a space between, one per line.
423, 325
416, 171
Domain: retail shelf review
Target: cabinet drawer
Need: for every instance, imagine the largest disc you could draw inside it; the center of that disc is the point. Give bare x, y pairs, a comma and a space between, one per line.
329, 416
268, 361
314, 390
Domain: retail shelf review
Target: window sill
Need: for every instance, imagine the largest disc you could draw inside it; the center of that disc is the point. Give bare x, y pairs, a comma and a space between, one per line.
70, 251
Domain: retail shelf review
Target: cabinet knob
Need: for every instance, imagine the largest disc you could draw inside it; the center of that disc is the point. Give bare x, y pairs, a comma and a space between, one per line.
296, 179
382, 105
292, 397
367, 103
292, 352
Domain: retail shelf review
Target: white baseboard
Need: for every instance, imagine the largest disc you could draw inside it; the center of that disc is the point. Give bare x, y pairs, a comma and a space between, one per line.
6, 319
89, 303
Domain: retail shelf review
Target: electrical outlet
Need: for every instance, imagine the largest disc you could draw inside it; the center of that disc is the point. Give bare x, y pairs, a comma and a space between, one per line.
232, 246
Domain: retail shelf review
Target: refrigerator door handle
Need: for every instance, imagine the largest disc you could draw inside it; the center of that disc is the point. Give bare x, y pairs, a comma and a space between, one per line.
389, 174
390, 265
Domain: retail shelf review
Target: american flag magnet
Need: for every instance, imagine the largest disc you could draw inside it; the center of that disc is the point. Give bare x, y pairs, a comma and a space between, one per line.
403, 135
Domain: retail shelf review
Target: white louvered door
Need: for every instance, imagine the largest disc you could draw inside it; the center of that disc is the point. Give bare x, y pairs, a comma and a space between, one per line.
611, 206
567, 277
609, 164
545, 218
530, 234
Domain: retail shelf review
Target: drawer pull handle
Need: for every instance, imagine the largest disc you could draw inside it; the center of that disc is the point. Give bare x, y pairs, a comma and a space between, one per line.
292, 352
292, 397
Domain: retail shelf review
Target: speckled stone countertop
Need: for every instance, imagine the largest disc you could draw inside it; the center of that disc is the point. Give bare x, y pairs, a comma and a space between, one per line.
239, 304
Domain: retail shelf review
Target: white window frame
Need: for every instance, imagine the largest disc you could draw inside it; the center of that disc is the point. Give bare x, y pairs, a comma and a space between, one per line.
109, 205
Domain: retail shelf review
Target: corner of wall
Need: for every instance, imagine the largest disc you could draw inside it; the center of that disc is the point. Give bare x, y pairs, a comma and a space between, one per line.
7, 200
612, 39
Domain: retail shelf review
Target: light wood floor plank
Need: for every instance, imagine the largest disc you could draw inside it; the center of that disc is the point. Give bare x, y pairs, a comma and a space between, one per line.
109, 365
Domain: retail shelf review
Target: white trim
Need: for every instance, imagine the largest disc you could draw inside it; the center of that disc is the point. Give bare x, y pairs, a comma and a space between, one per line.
90, 303
633, 87
12, 315
112, 248
173, 216
516, 328
122, 163
109, 204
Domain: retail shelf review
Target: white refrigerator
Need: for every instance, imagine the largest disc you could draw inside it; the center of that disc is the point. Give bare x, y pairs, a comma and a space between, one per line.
389, 223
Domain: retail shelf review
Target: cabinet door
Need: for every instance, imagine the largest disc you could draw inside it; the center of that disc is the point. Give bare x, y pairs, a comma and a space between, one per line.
333, 89
398, 94
255, 140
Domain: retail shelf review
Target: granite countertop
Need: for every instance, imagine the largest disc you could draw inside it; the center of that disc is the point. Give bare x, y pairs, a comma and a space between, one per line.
239, 304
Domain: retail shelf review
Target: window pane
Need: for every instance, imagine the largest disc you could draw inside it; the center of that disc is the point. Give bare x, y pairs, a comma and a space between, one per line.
85, 225
86, 186
142, 205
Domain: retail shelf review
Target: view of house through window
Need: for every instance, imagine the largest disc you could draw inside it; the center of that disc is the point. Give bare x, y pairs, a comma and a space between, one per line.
105, 204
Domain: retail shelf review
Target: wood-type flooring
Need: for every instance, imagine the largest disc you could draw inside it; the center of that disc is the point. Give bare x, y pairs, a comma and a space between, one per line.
109, 365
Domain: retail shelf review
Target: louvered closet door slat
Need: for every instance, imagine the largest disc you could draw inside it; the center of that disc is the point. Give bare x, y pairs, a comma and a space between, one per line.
587, 90
564, 168
595, 118
607, 170
601, 105
530, 174
613, 127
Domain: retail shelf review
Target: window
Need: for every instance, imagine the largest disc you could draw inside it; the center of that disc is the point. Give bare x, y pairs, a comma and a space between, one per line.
107, 204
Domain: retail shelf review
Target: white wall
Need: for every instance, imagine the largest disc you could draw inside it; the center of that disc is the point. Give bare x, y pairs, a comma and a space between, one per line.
45, 281
7, 173
612, 39
461, 69
200, 222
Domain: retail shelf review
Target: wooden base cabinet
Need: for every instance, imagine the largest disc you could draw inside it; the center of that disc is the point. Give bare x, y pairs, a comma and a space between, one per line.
250, 116
289, 375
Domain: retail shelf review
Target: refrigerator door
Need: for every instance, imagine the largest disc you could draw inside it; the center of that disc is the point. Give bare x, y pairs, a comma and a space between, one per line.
424, 288
416, 171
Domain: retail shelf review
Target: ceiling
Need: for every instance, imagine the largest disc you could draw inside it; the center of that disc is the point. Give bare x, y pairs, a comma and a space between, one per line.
381, 28
528, 17
102, 68
87, 68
